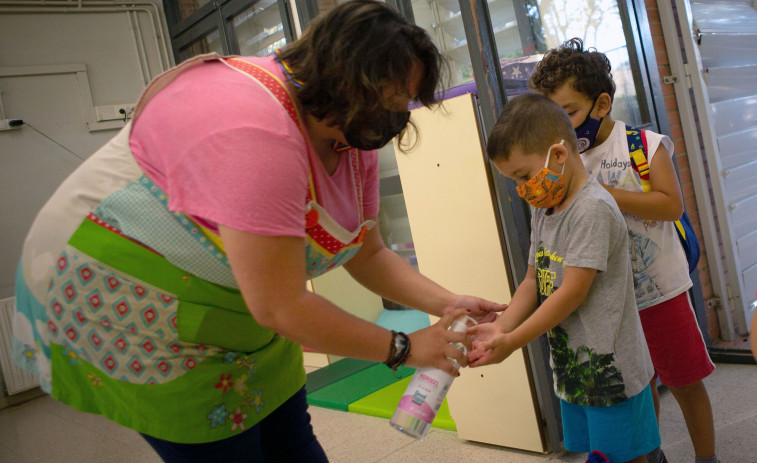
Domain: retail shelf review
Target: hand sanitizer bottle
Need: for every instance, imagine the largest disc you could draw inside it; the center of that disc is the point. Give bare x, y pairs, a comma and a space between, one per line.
425, 393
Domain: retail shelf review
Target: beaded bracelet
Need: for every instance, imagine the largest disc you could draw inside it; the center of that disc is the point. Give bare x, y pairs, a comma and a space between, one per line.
399, 350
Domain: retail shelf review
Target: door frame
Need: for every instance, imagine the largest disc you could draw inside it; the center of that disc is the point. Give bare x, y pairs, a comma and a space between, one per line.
733, 315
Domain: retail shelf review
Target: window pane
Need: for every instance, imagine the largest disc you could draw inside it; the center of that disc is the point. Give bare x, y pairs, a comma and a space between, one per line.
444, 23
187, 7
524, 30
206, 44
259, 30
598, 23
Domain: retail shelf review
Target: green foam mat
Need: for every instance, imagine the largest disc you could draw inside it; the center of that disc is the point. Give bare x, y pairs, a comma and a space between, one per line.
337, 371
383, 402
340, 394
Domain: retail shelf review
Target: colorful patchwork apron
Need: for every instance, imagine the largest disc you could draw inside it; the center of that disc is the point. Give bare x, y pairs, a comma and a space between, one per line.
129, 310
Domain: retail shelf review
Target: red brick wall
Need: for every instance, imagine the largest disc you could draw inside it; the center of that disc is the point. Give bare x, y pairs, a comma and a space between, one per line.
676, 134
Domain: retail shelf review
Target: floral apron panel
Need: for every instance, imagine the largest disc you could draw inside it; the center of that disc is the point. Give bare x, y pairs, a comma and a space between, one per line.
138, 316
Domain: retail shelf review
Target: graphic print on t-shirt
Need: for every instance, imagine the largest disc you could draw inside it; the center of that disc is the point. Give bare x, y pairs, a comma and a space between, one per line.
582, 376
621, 174
643, 252
545, 277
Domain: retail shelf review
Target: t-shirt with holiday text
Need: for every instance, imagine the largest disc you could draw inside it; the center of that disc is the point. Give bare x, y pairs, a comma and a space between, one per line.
660, 269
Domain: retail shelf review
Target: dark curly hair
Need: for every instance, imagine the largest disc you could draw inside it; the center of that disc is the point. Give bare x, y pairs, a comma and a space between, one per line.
588, 69
348, 56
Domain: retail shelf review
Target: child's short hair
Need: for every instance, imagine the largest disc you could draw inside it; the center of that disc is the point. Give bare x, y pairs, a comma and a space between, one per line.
531, 123
589, 70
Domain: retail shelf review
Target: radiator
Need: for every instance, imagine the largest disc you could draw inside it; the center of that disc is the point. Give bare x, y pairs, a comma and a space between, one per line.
16, 379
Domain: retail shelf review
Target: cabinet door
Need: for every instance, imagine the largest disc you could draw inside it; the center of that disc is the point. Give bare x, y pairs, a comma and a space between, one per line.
457, 243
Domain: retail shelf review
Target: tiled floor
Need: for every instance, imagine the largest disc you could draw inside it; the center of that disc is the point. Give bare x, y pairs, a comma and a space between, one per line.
43, 430
740, 343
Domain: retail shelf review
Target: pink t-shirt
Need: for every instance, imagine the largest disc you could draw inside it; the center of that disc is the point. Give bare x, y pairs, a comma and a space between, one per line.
225, 152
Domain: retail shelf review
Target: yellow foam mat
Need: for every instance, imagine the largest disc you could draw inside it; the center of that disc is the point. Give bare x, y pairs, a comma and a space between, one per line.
383, 402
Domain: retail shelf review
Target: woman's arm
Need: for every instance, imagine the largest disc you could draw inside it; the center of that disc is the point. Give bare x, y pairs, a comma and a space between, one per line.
664, 202
382, 271
270, 272
385, 273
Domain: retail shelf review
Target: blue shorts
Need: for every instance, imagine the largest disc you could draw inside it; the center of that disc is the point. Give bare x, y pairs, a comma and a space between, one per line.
622, 431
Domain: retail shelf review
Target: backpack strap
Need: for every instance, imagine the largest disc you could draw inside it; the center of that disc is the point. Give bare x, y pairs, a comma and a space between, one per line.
637, 149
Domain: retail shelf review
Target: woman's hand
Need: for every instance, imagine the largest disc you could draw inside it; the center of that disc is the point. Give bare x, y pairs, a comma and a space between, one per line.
481, 310
490, 344
431, 346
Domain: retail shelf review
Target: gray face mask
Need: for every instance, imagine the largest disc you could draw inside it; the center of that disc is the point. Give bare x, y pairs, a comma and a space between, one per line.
376, 130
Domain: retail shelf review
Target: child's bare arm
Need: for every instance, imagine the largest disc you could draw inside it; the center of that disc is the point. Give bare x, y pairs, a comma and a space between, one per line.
664, 202
522, 304
493, 346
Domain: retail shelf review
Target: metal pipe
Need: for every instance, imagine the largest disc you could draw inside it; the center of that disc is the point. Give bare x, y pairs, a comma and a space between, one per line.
157, 25
45, 3
141, 42
151, 9
139, 50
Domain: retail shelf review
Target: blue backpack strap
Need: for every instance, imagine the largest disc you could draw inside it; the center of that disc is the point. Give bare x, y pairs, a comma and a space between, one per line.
637, 149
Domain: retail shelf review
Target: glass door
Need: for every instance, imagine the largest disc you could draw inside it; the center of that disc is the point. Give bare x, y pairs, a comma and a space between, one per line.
194, 28
259, 29
394, 225
524, 29
444, 23
208, 43
228, 27
600, 25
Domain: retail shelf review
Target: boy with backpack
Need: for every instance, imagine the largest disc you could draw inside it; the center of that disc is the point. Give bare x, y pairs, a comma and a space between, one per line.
636, 168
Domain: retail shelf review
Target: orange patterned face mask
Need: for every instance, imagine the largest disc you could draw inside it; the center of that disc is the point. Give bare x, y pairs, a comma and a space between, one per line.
546, 189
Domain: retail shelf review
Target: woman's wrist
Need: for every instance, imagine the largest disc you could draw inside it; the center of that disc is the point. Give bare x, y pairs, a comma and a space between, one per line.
399, 350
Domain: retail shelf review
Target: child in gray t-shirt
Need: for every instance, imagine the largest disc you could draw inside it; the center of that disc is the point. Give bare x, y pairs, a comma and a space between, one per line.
578, 288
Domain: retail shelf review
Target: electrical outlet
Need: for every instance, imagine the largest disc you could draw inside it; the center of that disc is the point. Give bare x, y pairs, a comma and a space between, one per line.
115, 112
10, 124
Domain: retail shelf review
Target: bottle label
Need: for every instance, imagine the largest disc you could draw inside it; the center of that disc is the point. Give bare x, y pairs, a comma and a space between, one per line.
416, 406
424, 395
428, 387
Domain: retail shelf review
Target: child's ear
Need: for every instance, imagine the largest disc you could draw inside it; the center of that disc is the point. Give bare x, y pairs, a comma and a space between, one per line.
560, 152
604, 104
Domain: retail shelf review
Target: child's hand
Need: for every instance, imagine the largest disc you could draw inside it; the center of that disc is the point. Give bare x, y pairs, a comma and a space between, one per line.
490, 345
481, 310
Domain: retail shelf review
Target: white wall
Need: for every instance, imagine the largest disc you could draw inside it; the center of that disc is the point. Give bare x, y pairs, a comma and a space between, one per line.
120, 52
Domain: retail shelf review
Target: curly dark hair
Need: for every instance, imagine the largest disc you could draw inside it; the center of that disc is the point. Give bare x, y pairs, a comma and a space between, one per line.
588, 69
348, 56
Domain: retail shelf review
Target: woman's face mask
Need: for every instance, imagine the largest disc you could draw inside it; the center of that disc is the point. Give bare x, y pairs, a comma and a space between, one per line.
374, 131
586, 133
546, 189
